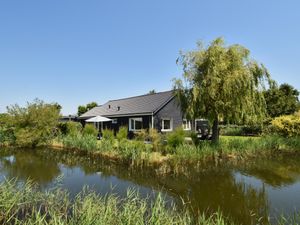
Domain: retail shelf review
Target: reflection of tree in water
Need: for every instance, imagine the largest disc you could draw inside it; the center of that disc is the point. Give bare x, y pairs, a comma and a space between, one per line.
205, 190
26, 165
277, 172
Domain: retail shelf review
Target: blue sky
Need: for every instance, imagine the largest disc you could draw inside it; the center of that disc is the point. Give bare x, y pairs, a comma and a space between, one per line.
73, 52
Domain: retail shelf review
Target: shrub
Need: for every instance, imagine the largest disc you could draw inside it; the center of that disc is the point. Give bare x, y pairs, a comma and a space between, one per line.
131, 149
90, 129
6, 136
142, 135
79, 141
195, 138
155, 138
175, 139
62, 127
231, 130
287, 126
105, 145
34, 124
73, 128
240, 130
252, 129
108, 134
122, 133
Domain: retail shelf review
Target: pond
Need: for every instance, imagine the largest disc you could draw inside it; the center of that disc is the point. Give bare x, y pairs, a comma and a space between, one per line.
242, 191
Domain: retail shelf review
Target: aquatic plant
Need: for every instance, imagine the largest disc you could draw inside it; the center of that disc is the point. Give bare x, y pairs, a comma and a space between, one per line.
26, 204
122, 133
81, 142
90, 129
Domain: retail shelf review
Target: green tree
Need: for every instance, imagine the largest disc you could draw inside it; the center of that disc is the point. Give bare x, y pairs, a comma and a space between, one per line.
152, 91
34, 124
91, 105
83, 109
282, 100
221, 82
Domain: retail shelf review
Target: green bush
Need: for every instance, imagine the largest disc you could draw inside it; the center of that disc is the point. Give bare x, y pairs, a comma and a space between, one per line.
231, 130
142, 135
7, 136
122, 133
108, 134
287, 126
175, 139
81, 142
62, 128
34, 124
131, 149
73, 128
106, 145
240, 130
90, 129
156, 139
195, 138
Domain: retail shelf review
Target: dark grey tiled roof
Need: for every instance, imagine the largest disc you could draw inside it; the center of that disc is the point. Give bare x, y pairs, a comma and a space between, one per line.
144, 104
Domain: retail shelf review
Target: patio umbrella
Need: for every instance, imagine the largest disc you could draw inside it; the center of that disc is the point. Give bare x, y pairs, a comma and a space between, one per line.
98, 119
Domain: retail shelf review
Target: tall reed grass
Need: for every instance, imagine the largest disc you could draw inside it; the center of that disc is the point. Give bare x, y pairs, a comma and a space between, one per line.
25, 204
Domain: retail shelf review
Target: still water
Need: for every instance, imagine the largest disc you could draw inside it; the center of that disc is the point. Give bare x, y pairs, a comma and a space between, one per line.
242, 191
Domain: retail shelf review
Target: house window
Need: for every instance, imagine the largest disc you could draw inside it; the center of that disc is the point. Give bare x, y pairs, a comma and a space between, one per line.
135, 124
167, 124
186, 125
114, 121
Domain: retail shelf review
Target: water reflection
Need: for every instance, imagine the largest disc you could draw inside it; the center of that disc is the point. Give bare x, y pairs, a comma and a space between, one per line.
23, 165
244, 192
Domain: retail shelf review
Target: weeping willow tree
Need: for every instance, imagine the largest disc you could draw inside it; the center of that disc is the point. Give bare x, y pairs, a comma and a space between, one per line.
221, 82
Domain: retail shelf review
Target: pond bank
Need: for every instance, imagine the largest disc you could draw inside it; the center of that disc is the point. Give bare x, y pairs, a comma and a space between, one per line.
230, 149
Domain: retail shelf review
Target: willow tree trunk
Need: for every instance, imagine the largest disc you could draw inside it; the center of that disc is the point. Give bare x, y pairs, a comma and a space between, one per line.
215, 130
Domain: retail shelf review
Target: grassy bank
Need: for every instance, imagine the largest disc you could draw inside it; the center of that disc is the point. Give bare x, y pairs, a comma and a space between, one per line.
138, 153
27, 205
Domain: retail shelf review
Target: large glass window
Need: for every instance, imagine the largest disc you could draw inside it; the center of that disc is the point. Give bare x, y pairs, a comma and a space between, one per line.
166, 124
135, 124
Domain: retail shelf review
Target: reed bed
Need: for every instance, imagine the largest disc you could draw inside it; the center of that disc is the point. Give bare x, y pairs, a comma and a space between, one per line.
26, 204
138, 153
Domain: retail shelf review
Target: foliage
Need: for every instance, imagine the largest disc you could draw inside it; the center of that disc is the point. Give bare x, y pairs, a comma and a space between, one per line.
27, 204
287, 126
240, 130
131, 149
34, 124
83, 109
108, 134
6, 133
221, 82
156, 139
142, 135
62, 128
175, 138
282, 100
239, 147
80, 142
122, 133
152, 91
90, 129
73, 128
195, 139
